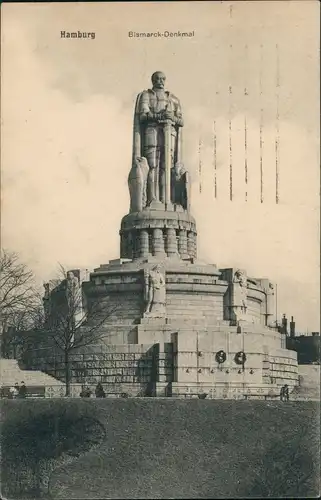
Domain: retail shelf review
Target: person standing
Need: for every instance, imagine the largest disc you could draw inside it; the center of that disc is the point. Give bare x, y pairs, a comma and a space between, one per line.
99, 391
284, 393
13, 391
22, 390
86, 392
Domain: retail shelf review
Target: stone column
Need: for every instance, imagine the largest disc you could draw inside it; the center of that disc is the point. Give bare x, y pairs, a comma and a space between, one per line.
158, 243
182, 243
171, 249
143, 243
195, 245
190, 244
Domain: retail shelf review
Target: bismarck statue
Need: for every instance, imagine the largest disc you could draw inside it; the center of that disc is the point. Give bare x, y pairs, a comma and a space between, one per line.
159, 223
157, 174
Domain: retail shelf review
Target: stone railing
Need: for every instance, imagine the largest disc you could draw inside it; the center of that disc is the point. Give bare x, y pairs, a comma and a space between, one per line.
226, 391
178, 391
111, 390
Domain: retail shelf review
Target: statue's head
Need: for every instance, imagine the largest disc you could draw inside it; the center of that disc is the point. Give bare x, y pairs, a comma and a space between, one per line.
158, 80
142, 163
239, 274
141, 160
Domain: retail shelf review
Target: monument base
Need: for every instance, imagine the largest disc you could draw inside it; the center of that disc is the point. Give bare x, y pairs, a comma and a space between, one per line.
177, 352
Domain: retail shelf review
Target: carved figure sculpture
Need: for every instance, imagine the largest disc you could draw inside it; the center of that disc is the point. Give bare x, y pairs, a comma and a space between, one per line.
157, 136
239, 295
72, 289
155, 291
270, 300
74, 297
137, 182
270, 304
180, 186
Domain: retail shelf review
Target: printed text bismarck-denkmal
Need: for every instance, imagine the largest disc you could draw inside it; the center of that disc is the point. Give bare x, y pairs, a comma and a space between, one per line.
161, 34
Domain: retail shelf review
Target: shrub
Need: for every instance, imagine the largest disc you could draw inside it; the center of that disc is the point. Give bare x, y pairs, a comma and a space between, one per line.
37, 437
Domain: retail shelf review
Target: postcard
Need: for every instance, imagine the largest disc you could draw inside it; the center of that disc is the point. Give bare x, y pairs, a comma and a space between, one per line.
160, 250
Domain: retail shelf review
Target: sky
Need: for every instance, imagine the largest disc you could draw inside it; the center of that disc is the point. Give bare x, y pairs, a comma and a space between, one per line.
67, 112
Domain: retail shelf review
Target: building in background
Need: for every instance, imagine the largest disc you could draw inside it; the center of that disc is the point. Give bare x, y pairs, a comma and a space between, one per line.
306, 346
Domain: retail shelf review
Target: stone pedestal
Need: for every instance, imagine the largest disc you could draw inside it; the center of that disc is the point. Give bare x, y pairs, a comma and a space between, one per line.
169, 233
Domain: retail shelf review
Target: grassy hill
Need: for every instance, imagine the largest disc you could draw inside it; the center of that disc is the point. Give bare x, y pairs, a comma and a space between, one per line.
162, 448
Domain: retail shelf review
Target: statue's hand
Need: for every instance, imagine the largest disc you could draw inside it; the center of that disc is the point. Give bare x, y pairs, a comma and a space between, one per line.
158, 117
168, 115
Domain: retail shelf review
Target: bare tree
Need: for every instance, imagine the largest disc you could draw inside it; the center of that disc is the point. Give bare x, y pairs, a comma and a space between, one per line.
73, 322
19, 301
16, 336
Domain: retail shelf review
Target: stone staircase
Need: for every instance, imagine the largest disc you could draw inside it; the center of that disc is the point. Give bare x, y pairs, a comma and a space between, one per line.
309, 384
10, 373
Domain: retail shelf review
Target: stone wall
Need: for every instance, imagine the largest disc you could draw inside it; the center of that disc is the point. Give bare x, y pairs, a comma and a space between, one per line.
118, 307
309, 375
191, 306
184, 362
113, 365
265, 361
254, 314
119, 314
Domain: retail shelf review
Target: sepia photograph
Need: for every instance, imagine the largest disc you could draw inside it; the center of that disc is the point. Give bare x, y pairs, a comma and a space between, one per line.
160, 250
